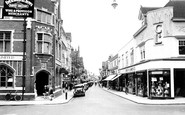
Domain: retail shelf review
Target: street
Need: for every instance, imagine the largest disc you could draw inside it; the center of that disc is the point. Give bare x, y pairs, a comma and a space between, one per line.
96, 102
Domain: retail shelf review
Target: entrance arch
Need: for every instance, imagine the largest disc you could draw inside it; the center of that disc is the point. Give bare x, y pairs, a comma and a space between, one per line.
42, 79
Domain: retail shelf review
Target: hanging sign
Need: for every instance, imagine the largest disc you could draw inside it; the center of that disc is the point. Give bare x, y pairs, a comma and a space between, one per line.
18, 8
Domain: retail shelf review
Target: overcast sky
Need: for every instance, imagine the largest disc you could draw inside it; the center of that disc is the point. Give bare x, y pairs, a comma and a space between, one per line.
99, 29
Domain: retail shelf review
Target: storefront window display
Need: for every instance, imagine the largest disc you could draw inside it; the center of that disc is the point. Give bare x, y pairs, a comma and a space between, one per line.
141, 87
130, 83
159, 83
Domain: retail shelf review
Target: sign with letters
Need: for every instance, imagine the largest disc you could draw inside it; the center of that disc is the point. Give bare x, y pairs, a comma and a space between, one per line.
18, 8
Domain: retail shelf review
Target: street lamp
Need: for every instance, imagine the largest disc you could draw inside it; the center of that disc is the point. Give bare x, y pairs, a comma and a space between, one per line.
114, 4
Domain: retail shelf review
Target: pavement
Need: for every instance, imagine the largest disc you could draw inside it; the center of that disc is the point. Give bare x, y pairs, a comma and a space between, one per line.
145, 100
62, 100
40, 100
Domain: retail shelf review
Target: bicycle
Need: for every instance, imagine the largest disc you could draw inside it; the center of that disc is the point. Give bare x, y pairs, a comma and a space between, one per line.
9, 96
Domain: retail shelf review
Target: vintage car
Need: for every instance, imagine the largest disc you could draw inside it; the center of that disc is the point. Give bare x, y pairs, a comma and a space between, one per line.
79, 90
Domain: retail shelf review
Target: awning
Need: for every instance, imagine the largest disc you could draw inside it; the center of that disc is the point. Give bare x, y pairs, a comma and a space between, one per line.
109, 77
115, 77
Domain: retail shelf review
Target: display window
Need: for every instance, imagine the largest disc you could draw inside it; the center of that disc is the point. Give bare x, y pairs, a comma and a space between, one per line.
159, 83
141, 85
131, 83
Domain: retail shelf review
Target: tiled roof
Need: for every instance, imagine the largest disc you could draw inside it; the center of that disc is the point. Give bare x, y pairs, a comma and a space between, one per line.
144, 10
178, 8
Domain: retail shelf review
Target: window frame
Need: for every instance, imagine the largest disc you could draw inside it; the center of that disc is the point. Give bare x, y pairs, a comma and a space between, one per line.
7, 76
182, 44
43, 42
4, 40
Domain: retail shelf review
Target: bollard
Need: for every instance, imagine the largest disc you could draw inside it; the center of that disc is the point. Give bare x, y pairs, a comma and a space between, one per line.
66, 95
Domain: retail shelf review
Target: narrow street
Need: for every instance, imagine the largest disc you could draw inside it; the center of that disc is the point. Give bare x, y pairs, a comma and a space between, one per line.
96, 102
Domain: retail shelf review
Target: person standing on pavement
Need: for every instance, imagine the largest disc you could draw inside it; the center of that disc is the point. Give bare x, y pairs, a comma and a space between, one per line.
51, 95
126, 89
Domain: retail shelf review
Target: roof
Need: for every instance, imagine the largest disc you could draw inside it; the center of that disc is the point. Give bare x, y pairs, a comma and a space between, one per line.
144, 10
178, 8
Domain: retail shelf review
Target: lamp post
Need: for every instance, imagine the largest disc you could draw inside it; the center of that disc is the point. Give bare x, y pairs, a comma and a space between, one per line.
114, 4
24, 59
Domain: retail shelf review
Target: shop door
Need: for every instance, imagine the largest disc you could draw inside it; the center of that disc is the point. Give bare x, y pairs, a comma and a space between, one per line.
41, 80
179, 82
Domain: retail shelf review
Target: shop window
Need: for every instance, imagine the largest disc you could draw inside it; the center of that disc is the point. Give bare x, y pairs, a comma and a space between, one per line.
6, 77
182, 47
5, 40
159, 84
141, 83
43, 43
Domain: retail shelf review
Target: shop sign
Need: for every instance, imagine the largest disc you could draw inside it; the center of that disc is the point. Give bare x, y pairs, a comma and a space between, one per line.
157, 72
132, 69
10, 57
18, 8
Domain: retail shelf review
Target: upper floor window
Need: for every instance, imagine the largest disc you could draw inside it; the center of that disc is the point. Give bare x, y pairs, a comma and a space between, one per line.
44, 43
44, 17
5, 40
132, 57
182, 47
126, 59
142, 52
122, 61
1, 12
6, 77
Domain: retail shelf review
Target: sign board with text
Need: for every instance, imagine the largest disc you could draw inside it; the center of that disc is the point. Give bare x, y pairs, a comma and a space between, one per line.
18, 8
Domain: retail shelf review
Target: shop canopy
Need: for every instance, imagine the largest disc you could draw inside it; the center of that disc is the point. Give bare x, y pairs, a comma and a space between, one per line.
109, 78
115, 77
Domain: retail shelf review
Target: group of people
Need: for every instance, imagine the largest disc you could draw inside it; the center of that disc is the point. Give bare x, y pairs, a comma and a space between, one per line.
48, 92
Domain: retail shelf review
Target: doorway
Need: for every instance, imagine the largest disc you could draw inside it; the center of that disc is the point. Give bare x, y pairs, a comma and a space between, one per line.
42, 79
179, 82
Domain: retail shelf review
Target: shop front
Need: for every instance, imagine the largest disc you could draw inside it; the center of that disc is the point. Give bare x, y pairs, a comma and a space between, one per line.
130, 82
141, 83
159, 84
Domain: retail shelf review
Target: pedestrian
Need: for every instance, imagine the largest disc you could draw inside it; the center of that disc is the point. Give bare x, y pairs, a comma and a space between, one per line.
46, 91
126, 89
51, 95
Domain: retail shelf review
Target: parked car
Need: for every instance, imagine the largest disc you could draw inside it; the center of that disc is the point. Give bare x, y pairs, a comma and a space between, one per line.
79, 90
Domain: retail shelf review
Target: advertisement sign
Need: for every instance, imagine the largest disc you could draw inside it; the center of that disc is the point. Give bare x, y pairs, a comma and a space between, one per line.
18, 8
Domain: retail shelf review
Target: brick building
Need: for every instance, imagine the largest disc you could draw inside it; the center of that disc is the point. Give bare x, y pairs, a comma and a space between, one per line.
41, 46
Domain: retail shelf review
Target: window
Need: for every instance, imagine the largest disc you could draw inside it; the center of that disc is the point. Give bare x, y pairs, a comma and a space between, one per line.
44, 17
182, 47
142, 52
132, 56
1, 12
6, 77
44, 43
5, 38
123, 60
126, 59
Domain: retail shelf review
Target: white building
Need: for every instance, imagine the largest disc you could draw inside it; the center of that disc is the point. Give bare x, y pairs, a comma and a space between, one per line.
153, 62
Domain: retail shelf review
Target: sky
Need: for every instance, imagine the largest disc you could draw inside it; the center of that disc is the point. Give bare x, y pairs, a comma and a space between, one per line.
99, 29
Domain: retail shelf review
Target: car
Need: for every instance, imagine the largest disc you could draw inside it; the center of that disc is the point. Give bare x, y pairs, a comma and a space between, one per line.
79, 90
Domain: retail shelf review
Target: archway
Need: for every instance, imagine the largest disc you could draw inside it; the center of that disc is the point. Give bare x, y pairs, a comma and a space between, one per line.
42, 79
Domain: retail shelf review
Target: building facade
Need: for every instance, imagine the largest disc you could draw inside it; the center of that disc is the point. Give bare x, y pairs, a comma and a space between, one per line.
153, 62
42, 61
